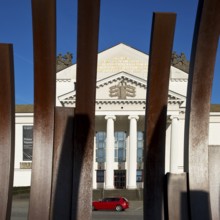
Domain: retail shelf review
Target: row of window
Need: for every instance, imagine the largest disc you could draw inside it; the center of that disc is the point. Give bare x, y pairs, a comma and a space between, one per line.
120, 146
119, 176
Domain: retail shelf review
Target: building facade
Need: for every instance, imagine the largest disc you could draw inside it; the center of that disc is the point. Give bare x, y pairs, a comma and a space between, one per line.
120, 120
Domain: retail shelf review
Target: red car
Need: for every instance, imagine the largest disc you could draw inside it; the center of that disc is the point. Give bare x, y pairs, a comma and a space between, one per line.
111, 203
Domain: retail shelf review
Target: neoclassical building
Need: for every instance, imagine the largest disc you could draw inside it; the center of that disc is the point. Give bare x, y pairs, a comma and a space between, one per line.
120, 116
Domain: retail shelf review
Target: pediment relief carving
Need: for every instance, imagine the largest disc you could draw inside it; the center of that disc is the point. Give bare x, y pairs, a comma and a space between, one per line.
121, 86
122, 90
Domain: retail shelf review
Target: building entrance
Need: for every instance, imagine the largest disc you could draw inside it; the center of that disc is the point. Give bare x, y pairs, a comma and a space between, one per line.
120, 179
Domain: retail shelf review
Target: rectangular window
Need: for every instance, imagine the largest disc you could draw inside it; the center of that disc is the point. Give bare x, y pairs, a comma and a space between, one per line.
100, 176
120, 179
120, 146
139, 175
100, 146
27, 142
140, 146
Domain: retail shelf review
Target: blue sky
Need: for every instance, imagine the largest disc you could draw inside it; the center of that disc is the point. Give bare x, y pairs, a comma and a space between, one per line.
126, 21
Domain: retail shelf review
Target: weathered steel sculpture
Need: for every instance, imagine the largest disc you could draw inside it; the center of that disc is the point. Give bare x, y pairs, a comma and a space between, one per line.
205, 43
61, 200
44, 33
61, 186
7, 129
84, 119
156, 114
44, 28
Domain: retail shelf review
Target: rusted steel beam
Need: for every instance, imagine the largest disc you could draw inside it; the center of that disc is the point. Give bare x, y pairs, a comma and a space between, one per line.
87, 49
7, 129
214, 180
203, 55
177, 200
44, 36
63, 164
156, 113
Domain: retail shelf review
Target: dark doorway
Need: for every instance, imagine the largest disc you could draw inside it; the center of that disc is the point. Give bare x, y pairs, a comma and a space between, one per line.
120, 179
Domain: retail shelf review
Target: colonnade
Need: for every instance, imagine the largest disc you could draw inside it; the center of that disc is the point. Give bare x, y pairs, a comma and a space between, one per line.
132, 151
132, 158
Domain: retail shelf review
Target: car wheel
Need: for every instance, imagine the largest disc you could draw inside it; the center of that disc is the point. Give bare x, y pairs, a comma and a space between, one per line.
93, 208
118, 208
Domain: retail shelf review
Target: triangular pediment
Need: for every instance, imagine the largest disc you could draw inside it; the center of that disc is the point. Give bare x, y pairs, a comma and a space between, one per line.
117, 87
122, 88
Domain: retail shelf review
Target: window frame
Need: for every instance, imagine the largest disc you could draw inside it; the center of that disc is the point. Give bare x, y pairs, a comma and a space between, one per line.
100, 178
100, 147
27, 142
139, 180
120, 146
140, 146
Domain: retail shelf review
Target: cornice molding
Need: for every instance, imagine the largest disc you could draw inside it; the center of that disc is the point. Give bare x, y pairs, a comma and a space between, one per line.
178, 80
119, 101
63, 80
126, 79
129, 78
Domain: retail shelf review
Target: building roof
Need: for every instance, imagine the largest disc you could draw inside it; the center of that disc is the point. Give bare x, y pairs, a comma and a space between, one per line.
215, 108
24, 108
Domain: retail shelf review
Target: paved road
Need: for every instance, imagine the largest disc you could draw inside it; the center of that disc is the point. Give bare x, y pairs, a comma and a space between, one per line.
19, 209
135, 212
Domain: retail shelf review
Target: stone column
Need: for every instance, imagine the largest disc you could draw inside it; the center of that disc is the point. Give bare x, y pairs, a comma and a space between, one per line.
132, 157
174, 144
110, 143
94, 182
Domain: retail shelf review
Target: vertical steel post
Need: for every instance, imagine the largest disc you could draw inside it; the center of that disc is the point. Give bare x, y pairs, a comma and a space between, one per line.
203, 55
7, 129
156, 113
44, 35
214, 180
61, 200
88, 26
177, 201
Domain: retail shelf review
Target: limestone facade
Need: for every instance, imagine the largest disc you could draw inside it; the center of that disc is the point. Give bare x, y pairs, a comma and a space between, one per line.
120, 117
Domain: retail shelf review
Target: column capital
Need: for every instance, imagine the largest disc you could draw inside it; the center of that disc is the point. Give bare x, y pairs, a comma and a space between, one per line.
133, 116
110, 117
